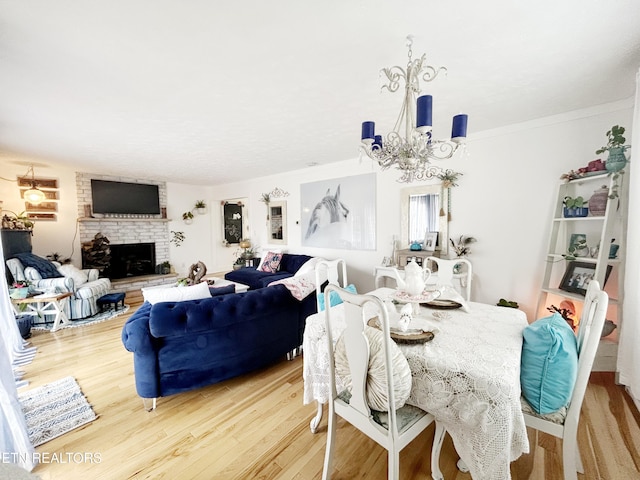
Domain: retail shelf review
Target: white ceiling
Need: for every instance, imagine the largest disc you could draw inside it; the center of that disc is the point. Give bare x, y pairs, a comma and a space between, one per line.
210, 92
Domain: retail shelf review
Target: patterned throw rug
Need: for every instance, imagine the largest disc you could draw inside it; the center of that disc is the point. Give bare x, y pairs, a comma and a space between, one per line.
97, 318
55, 409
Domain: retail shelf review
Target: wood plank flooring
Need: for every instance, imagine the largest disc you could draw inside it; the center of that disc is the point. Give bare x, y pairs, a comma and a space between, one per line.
256, 426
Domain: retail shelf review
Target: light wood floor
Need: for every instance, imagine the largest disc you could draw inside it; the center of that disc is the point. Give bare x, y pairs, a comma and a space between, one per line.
257, 427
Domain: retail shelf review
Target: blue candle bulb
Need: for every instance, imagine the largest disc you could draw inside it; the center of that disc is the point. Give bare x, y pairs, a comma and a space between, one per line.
424, 113
368, 135
459, 128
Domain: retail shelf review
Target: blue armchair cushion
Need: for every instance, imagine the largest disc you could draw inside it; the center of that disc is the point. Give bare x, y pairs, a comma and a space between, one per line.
45, 268
334, 298
549, 364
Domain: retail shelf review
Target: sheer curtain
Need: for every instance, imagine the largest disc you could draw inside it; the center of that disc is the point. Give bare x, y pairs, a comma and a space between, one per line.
628, 352
424, 216
14, 439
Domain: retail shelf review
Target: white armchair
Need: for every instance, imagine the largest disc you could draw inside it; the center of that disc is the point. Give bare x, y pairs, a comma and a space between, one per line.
85, 285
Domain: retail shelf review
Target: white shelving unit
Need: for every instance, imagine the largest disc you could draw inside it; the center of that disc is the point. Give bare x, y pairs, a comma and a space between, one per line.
561, 282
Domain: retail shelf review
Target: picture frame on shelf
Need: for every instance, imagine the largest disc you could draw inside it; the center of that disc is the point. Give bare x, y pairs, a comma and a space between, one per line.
430, 239
578, 245
578, 275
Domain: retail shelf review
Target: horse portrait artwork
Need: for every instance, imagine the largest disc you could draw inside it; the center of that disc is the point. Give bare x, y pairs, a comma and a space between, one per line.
328, 210
339, 213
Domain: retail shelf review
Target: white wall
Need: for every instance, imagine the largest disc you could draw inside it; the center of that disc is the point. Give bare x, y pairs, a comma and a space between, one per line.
504, 199
48, 236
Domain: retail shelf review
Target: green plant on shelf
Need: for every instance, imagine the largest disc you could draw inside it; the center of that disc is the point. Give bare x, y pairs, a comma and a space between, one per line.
572, 203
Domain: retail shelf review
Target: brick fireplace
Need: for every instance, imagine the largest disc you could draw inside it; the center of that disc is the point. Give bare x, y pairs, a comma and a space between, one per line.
133, 230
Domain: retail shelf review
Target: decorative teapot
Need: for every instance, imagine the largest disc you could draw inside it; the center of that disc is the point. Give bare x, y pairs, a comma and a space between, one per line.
415, 279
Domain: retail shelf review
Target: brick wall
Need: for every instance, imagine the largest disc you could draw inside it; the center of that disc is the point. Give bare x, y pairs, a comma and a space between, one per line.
134, 229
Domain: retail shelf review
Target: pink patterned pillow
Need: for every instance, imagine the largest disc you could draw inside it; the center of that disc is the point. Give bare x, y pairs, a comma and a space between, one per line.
271, 262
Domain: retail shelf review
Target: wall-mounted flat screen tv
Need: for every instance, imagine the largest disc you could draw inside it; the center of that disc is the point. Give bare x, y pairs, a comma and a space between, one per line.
123, 197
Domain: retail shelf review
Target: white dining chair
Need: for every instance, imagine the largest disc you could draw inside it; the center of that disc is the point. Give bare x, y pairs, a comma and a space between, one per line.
333, 271
447, 273
564, 423
392, 429
382, 273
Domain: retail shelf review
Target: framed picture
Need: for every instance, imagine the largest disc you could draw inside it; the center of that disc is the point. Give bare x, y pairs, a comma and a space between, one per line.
578, 275
339, 213
578, 245
430, 239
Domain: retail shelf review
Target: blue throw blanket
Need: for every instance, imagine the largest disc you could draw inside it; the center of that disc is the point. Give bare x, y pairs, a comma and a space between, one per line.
45, 268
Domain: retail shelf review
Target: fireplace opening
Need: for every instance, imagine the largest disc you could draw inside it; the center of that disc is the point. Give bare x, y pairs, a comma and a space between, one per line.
132, 260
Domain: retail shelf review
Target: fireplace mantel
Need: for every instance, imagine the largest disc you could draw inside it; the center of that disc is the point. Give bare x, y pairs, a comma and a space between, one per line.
111, 219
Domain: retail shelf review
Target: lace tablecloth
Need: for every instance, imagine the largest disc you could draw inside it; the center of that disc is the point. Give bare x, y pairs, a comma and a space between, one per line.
468, 377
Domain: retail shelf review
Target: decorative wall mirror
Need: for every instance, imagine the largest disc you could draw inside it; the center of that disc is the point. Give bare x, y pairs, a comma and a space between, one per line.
235, 223
277, 225
424, 209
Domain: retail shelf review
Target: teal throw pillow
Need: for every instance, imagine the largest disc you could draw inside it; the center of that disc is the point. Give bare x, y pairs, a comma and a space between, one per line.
334, 298
549, 364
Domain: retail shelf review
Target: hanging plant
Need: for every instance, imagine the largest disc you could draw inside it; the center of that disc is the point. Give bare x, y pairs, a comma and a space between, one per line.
177, 238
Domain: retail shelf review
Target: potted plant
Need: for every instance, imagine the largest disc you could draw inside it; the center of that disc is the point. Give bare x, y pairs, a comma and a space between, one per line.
165, 268
575, 207
616, 148
201, 207
187, 217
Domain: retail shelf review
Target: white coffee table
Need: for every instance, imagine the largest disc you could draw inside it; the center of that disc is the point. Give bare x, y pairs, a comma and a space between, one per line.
43, 305
221, 282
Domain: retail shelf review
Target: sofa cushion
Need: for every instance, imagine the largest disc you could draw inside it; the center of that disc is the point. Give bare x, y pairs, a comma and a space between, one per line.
215, 291
292, 262
271, 262
44, 267
549, 364
307, 267
176, 294
79, 276
274, 250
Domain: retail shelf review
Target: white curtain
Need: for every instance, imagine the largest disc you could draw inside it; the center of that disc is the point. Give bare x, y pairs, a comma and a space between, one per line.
14, 439
424, 216
628, 351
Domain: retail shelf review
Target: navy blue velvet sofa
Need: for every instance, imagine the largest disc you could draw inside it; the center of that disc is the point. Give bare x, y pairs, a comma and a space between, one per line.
254, 278
180, 346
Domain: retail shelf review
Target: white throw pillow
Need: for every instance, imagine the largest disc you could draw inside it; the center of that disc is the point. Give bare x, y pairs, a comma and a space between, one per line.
377, 388
79, 277
308, 267
176, 294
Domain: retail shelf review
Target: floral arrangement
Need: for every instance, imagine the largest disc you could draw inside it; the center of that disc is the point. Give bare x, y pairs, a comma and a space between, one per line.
21, 284
461, 247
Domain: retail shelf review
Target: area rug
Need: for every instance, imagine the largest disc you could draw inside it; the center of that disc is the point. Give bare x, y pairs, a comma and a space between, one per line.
97, 318
55, 409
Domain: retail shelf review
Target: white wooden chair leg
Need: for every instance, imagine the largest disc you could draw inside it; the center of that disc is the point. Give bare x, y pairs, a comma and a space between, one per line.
462, 466
438, 438
579, 465
328, 454
394, 464
153, 404
315, 421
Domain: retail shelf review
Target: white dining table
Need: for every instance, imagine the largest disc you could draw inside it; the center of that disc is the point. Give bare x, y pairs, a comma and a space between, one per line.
468, 377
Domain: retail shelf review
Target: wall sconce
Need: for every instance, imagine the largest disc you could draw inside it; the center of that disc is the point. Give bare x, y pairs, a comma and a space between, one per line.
34, 195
